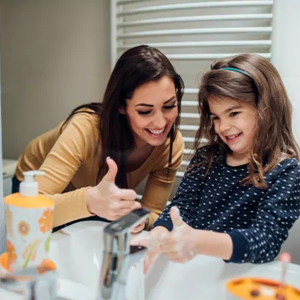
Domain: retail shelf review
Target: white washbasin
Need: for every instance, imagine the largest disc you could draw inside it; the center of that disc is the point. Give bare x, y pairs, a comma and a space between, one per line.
78, 256
77, 253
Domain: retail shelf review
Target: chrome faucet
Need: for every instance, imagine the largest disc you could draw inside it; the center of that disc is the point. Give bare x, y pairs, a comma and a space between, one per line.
28, 284
119, 256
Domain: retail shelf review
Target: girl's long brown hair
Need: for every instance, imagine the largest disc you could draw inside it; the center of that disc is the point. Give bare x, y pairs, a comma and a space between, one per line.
263, 88
135, 67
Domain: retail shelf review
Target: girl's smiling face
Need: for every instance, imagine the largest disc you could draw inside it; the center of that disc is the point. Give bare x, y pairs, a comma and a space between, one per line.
235, 122
152, 111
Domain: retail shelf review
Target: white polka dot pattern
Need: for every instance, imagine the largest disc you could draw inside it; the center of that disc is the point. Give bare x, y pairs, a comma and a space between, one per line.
257, 220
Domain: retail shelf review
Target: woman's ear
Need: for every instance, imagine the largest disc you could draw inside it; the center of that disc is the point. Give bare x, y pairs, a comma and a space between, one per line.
122, 110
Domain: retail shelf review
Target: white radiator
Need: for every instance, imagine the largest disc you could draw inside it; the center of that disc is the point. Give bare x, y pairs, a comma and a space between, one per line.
192, 34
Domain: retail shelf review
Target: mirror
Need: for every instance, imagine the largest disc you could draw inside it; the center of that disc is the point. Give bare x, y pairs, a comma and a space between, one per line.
55, 55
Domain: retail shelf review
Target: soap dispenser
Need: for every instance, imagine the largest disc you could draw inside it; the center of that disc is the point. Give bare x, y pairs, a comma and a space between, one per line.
29, 218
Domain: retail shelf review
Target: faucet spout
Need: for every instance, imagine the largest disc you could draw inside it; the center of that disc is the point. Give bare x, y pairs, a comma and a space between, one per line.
119, 256
31, 284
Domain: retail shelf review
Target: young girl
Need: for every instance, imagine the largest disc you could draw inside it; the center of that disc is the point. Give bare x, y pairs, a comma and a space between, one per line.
241, 193
95, 158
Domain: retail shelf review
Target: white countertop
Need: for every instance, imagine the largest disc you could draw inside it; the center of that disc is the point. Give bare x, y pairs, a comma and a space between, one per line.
78, 254
8, 167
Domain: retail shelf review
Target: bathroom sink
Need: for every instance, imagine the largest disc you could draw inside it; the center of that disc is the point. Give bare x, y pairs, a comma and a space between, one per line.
77, 252
204, 278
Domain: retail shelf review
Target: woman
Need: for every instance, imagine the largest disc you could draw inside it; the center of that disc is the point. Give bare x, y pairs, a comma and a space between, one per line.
102, 151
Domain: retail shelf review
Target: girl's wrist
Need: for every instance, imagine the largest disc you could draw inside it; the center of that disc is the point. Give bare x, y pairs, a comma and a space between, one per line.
159, 229
196, 239
213, 243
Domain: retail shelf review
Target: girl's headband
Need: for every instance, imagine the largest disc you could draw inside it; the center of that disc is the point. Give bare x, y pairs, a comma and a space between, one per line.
236, 70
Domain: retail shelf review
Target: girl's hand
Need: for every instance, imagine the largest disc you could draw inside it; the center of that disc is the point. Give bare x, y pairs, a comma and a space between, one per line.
108, 201
180, 244
150, 240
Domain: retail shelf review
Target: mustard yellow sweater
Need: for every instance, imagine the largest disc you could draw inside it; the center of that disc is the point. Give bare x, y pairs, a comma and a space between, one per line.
68, 159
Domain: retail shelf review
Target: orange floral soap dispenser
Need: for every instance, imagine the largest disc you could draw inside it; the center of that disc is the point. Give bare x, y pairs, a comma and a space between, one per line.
29, 218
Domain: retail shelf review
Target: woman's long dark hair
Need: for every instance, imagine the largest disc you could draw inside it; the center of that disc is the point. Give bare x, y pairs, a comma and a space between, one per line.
135, 67
264, 89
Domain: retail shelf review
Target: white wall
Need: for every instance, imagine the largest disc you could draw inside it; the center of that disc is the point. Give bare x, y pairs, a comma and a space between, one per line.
286, 58
2, 220
55, 56
286, 49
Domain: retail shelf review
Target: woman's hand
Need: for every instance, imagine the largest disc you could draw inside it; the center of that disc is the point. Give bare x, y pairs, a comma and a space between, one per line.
150, 240
108, 201
180, 245
140, 227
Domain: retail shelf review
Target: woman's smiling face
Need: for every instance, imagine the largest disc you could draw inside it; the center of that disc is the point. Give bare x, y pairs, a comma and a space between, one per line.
152, 111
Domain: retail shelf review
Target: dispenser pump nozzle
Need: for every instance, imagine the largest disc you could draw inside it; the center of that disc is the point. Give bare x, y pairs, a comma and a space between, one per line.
29, 187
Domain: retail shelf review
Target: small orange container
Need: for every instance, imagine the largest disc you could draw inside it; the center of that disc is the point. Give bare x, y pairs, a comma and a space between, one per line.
248, 288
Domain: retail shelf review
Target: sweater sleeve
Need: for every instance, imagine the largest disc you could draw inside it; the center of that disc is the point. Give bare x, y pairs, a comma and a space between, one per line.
278, 210
187, 196
160, 181
72, 147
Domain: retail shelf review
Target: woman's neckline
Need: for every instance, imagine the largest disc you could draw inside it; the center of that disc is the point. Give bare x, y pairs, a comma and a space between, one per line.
143, 162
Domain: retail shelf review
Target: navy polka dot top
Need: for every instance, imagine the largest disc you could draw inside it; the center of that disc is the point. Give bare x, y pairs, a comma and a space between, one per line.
257, 220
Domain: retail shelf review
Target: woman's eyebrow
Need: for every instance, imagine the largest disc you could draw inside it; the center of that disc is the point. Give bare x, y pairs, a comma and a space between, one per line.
144, 104
172, 98
151, 105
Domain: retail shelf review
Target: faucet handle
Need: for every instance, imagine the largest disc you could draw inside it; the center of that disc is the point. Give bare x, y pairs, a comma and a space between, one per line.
116, 234
31, 284
127, 222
